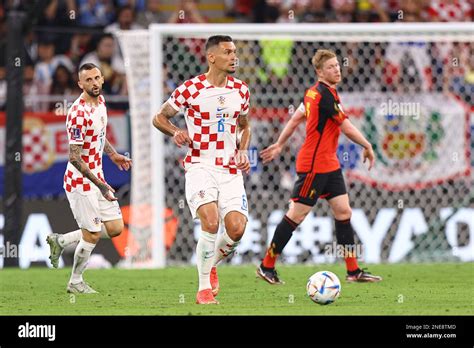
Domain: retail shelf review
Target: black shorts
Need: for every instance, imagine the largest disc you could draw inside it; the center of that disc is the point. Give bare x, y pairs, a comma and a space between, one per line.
310, 186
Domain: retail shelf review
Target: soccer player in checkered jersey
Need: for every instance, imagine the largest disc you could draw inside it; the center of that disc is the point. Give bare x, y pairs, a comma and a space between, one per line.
216, 107
318, 168
92, 202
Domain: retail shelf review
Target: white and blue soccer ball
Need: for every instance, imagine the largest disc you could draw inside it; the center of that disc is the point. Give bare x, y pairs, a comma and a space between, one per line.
323, 287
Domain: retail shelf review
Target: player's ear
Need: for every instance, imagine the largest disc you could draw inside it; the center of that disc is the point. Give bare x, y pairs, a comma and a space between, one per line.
211, 57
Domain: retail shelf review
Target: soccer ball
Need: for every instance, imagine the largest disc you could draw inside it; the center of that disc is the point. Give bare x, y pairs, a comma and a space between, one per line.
323, 287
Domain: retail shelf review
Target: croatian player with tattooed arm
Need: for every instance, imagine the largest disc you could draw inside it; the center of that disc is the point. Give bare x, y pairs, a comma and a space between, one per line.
216, 107
92, 202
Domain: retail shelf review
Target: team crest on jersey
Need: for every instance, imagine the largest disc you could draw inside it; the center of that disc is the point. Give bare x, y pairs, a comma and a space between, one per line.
311, 94
221, 100
201, 194
96, 221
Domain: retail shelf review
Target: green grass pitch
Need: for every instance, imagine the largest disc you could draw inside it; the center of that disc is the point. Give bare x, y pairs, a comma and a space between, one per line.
407, 289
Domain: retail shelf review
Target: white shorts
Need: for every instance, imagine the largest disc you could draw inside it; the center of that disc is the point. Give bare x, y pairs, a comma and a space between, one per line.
204, 185
91, 209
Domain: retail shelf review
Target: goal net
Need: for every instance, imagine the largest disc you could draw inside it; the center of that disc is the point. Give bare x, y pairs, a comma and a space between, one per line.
407, 87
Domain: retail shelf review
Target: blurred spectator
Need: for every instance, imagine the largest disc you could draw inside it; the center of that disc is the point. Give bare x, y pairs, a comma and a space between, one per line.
110, 63
59, 13
411, 11
32, 89
187, 12
80, 45
240, 9
370, 11
125, 21
151, 14
137, 5
94, 13
318, 11
344, 10
48, 62
31, 46
450, 11
64, 83
266, 12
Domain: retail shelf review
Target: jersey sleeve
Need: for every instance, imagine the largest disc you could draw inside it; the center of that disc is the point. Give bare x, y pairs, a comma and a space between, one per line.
301, 108
76, 125
244, 90
331, 107
179, 97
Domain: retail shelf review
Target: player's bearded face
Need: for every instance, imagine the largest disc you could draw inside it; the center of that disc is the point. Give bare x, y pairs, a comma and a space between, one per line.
91, 82
331, 71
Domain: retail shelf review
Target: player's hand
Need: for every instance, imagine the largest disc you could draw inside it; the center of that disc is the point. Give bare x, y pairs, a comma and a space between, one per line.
242, 161
369, 155
270, 152
181, 138
122, 162
107, 191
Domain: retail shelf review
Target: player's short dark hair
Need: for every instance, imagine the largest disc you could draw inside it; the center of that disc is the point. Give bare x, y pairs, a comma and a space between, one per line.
88, 66
216, 40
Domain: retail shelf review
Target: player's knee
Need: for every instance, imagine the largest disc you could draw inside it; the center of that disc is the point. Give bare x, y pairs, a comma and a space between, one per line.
92, 237
343, 213
115, 229
115, 232
211, 226
297, 216
235, 229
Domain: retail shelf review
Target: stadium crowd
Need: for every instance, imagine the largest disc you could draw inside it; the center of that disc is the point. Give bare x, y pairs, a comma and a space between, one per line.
72, 32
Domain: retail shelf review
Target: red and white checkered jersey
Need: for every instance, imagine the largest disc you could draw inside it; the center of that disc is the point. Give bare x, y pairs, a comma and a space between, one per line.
455, 11
211, 118
86, 126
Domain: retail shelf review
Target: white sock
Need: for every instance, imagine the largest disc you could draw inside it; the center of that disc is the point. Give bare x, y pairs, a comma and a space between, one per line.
68, 238
205, 258
81, 258
225, 246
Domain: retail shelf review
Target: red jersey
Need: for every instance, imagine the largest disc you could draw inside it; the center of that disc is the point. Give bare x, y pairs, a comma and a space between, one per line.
323, 125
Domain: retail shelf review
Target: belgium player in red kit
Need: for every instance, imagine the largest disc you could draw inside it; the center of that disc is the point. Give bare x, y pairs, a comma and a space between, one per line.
318, 168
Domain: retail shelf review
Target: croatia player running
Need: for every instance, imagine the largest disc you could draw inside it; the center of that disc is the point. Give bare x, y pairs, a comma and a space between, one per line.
92, 202
216, 108
318, 168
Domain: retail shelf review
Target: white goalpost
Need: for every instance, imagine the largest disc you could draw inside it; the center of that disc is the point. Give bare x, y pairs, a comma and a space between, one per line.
275, 62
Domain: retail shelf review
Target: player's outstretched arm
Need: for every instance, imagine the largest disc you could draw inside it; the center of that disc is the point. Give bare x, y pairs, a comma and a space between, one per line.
274, 150
81, 166
242, 159
356, 136
121, 161
161, 121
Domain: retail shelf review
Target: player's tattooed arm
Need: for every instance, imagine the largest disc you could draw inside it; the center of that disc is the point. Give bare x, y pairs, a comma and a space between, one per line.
83, 168
109, 149
121, 161
161, 121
